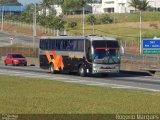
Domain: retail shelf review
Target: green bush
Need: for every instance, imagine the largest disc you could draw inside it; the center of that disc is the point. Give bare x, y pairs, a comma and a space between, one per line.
91, 19
71, 24
106, 19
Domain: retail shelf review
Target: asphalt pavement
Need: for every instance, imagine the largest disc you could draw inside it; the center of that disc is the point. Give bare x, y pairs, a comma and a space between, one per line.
122, 80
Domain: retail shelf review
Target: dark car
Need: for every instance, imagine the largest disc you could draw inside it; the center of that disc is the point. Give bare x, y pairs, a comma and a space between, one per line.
15, 59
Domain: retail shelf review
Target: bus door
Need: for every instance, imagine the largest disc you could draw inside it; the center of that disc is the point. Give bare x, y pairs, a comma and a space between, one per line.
88, 51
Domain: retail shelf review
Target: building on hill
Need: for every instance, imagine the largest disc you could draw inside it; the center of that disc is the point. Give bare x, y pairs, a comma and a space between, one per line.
54, 9
58, 10
12, 10
103, 6
87, 10
119, 6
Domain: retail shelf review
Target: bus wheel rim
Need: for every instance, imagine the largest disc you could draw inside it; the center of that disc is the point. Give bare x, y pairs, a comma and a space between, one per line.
51, 69
82, 71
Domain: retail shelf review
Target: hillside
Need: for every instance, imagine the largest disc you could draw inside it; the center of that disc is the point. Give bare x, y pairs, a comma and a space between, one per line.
126, 28
120, 17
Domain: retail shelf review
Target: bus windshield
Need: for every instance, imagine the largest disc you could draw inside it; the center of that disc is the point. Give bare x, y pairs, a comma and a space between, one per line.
106, 52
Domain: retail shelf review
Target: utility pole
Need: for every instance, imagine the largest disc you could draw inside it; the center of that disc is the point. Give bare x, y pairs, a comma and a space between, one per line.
93, 25
83, 20
34, 25
2, 18
140, 32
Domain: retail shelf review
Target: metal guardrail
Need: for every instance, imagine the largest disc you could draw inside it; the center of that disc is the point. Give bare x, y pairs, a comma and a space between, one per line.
142, 58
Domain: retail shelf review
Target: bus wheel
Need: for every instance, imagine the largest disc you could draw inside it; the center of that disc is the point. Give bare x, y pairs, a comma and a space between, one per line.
51, 68
82, 71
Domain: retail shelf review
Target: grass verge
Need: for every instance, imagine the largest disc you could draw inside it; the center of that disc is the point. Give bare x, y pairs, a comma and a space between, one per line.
20, 95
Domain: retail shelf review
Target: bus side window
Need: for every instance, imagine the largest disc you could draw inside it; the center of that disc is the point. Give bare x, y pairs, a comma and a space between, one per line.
46, 44
80, 45
69, 45
42, 44
65, 45
52, 44
56, 44
74, 43
49, 45
59, 44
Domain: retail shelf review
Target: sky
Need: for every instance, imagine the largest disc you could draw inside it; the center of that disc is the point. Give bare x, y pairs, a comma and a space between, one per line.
24, 2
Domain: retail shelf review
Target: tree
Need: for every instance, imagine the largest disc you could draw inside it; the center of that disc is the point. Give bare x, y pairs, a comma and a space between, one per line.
143, 5
56, 2
92, 20
134, 3
73, 4
45, 5
58, 23
41, 19
139, 4
27, 17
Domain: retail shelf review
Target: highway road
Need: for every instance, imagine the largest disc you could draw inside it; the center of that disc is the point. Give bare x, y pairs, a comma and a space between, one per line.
123, 80
17, 38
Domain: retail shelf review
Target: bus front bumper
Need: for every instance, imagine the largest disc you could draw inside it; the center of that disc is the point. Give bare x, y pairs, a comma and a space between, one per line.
101, 68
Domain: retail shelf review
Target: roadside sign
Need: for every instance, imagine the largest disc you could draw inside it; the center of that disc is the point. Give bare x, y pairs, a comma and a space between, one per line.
11, 38
151, 46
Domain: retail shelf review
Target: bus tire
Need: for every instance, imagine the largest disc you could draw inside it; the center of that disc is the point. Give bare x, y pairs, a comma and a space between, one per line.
82, 71
51, 68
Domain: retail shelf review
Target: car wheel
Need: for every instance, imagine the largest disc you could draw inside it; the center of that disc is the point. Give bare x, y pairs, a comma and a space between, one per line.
5, 63
25, 64
82, 71
13, 63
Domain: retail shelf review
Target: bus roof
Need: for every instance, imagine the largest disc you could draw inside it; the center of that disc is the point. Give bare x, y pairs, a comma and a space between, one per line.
90, 37
62, 37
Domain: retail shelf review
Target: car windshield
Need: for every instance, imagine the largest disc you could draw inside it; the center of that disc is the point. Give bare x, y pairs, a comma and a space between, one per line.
17, 56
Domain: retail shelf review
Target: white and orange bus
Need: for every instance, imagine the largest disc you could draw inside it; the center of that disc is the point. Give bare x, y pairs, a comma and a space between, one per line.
81, 54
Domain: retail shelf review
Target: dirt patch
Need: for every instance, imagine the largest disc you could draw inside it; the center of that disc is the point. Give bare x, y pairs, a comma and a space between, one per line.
23, 30
145, 25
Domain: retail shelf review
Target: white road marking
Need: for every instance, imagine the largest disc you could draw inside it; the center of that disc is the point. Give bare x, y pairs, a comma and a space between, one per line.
138, 88
71, 80
142, 79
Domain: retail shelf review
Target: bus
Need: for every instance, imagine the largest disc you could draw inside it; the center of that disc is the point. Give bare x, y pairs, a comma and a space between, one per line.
82, 54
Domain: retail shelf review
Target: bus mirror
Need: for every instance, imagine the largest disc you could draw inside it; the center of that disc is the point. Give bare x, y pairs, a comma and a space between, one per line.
122, 50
